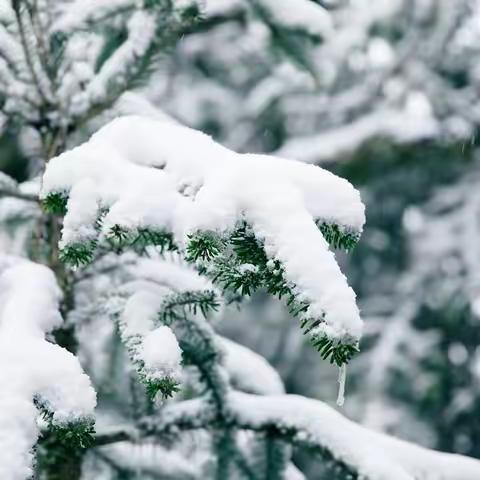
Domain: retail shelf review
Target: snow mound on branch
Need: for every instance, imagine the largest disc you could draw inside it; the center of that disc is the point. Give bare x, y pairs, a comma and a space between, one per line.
249, 371
32, 368
373, 455
154, 285
153, 174
161, 352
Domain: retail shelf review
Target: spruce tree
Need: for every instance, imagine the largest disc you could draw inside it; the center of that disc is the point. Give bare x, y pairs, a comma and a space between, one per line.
134, 242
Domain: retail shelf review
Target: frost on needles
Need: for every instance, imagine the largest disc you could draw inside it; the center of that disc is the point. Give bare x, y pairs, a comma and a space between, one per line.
247, 221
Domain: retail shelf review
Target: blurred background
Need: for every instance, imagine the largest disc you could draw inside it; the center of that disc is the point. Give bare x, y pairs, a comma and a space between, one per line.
389, 100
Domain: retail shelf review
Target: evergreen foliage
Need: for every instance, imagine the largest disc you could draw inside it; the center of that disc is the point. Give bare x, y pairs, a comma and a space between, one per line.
57, 95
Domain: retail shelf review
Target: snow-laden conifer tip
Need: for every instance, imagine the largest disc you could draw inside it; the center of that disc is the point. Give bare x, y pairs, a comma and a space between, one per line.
141, 181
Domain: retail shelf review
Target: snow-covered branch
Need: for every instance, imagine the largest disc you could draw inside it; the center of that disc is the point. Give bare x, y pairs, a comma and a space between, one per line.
251, 220
34, 371
311, 424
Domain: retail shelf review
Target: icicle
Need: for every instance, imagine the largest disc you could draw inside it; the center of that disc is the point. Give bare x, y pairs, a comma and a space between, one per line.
342, 376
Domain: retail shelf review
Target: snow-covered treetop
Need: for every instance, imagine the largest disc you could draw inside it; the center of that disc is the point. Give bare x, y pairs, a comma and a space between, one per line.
35, 373
250, 220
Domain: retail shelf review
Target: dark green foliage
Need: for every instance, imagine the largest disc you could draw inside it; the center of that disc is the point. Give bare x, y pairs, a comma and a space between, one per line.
141, 238
114, 38
293, 43
158, 238
237, 263
179, 305
78, 254
338, 237
242, 265
204, 246
56, 203
339, 353
118, 235
166, 386
74, 434
233, 278
119, 238
191, 14
249, 251
78, 434
152, 4
61, 448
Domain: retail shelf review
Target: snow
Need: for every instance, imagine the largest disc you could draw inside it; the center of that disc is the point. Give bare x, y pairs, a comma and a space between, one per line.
414, 122
79, 13
212, 8
161, 353
151, 173
80, 225
374, 455
152, 459
152, 281
300, 15
140, 311
249, 371
141, 28
31, 367
171, 272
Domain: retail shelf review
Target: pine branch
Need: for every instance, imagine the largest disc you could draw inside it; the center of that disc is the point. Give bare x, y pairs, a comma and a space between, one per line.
16, 4
78, 254
338, 237
55, 203
240, 263
75, 434
17, 194
180, 305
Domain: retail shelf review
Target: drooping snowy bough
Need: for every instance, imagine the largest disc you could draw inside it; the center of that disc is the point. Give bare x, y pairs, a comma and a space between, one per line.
240, 400
247, 221
36, 374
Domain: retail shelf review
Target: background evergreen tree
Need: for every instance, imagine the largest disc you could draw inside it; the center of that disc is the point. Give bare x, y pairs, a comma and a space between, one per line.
246, 73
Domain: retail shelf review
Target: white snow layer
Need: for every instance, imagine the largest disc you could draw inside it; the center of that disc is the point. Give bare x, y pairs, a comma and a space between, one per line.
31, 367
161, 352
375, 456
300, 15
249, 371
412, 123
155, 174
80, 13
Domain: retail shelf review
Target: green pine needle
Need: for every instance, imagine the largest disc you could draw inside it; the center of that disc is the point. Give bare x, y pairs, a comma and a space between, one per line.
204, 246
339, 237
74, 434
80, 434
338, 353
191, 302
158, 238
78, 254
166, 386
56, 203
121, 237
